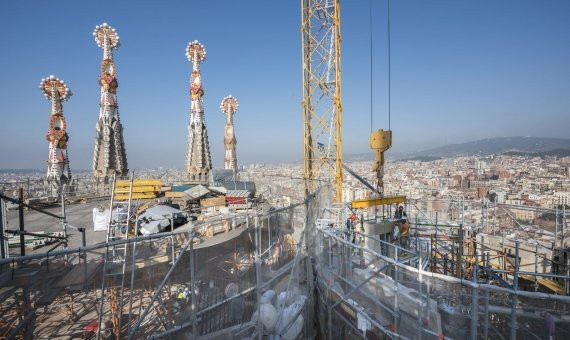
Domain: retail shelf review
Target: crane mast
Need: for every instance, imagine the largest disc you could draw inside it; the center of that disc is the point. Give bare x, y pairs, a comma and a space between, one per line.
322, 103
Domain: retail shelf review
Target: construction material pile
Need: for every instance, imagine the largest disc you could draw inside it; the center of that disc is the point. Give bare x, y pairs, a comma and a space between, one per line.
194, 196
142, 189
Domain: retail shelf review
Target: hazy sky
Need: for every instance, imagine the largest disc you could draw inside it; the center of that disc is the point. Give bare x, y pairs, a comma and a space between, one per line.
460, 71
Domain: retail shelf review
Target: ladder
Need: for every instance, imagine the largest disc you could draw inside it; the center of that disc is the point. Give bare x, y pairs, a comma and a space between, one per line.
114, 261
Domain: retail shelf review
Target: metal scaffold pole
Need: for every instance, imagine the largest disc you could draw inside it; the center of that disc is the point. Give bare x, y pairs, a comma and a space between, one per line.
475, 300
64, 220
555, 244
513, 325
494, 217
21, 222
63, 213
133, 271
562, 245
396, 307
329, 309
258, 277
420, 302
460, 252
193, 288
486, 316
5, 253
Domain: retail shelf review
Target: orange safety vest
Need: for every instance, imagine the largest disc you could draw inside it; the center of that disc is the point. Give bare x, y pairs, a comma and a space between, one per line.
405, 229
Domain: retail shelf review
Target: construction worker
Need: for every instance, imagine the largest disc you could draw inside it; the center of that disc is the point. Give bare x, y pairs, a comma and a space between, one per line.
402, 232
405, 228
400, 213
405, 234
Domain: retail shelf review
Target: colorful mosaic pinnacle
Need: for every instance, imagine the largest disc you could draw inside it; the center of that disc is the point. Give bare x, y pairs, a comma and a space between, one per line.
198, 159
58, 173
109, 156
229, 106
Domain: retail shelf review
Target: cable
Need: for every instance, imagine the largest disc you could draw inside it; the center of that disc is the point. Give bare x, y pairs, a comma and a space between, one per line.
371, 73
389, 69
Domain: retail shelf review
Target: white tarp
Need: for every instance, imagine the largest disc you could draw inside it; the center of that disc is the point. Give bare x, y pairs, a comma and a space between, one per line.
196, 192
156, 218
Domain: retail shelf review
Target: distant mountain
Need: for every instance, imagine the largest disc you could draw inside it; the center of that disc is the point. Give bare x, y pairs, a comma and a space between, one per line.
33, 171
542, 154
499, 145
19, 171
358, 157
533, 146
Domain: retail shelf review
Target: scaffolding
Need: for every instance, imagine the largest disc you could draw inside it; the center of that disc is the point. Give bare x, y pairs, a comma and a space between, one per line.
369, 287
195, 290
305, 264
115, 259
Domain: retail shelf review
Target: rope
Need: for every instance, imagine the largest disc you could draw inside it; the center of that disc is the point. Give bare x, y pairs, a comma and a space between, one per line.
371, 73
389, 69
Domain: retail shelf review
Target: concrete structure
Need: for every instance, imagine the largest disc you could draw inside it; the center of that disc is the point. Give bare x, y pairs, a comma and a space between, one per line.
198, 159
58, 173
229, 106
109, 156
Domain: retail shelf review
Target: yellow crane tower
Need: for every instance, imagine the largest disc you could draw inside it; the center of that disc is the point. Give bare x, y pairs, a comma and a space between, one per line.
322, 103
322, 100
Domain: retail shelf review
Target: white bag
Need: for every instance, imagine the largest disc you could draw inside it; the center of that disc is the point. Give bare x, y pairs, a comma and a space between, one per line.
100, 219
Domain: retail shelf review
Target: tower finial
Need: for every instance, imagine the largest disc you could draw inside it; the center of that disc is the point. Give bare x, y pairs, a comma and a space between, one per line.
109, 156
58, 173
107, 38
229, 106
196, 53
198, 159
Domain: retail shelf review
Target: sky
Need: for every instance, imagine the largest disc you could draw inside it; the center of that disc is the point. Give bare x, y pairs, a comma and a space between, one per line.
460, 71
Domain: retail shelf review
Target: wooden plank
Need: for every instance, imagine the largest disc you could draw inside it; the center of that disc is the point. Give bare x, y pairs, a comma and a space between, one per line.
142, 188
136, 196
174, 194
139, 182
212, 202
546, 283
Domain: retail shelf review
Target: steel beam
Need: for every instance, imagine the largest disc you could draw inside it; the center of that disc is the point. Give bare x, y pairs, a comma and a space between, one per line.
371, 202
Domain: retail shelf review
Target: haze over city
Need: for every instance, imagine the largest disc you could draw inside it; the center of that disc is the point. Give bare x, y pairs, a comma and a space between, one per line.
460, 72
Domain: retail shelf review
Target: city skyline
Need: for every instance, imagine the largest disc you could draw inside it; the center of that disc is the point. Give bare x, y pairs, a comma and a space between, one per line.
460, 72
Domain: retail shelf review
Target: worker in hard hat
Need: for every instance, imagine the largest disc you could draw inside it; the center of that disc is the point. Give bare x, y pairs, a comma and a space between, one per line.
400, 213
402, 229
402, 233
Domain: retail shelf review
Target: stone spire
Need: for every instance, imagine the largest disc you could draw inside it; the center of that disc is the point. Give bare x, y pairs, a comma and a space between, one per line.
229, 106
58, 173
198, 159
109, 156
